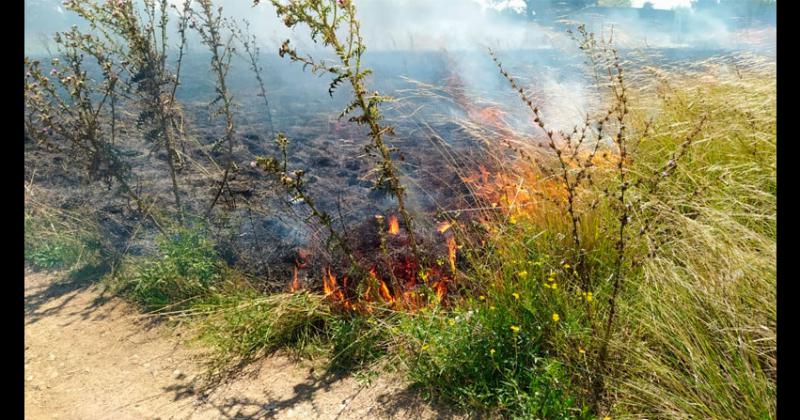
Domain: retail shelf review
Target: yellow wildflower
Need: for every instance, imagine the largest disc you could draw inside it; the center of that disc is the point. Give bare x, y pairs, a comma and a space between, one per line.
482, 297
512, 220
451, 322
554, 286
492, 308
515, 328
516, 295
567, 266
522, 274
606, 418
588, 296
491, 352
556, 317
581, 350
425, 347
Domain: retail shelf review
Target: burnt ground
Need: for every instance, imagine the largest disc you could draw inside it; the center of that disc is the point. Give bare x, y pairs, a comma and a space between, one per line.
256, 224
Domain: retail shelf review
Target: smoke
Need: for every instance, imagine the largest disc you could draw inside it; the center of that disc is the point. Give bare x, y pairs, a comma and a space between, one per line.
427, 40
424, 25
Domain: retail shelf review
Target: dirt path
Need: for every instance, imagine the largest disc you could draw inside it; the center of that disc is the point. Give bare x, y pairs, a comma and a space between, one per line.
90, 356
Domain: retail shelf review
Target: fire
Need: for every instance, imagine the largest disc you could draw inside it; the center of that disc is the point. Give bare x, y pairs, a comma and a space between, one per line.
451, 252
394, 226
295, 281
399, 283
331, 288
443, 227
441, 288
385, 294
406, 297
328, 283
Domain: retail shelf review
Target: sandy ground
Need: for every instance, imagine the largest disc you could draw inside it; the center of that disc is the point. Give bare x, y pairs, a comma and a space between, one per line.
92, 356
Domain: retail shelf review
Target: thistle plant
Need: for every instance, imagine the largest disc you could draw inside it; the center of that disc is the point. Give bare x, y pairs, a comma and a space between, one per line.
209, 25
67, 112
326, 19
136, 41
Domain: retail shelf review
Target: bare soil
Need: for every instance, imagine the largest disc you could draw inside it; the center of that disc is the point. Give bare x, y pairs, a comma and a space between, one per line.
92, 356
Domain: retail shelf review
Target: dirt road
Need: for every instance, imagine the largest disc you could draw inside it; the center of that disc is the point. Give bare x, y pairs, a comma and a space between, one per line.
92, 356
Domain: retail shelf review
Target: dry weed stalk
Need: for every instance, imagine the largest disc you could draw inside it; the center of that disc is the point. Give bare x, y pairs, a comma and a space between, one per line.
136, 42
209, 25
324, 18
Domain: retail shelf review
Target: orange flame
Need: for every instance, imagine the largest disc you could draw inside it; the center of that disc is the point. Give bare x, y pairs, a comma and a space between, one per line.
295, 281
443, 227
451, 252
328, 282
384, 290
394, 226
330, 287
441, 288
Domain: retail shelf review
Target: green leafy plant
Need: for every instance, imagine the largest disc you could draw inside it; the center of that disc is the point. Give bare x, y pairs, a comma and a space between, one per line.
187, 267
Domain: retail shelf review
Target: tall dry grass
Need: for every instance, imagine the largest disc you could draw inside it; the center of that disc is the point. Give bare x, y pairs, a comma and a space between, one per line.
700, 337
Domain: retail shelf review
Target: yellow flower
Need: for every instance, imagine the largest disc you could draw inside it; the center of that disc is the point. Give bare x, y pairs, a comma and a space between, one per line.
515, 328
492, 308
556, 317
588, 296
425, 347
581, 350
481, 297
554, 286
566, 266
491, 352
606, 418
546, 285
522, 274
451, 322
516, 295
512, 220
